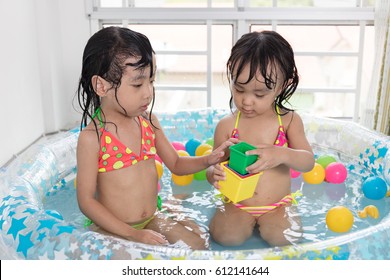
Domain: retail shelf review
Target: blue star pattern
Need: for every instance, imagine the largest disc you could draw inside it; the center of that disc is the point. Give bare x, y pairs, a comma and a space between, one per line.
16, 226
25, 243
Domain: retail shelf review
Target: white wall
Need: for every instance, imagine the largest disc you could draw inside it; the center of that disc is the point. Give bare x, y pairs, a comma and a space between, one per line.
40, 55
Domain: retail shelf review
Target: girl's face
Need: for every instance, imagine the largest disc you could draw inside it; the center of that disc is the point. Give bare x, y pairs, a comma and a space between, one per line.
253, 98
136, 90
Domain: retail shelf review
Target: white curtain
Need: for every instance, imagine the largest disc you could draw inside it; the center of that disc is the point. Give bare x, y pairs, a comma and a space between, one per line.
376, 114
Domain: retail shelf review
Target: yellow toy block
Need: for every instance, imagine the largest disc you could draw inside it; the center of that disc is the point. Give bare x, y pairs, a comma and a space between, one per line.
237, 187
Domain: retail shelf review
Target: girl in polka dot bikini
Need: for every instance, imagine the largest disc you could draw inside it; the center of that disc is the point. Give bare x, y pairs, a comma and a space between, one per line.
117, 177
262, 76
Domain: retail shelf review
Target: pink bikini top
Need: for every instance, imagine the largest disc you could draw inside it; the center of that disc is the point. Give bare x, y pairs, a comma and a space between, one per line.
281, 139
115, 155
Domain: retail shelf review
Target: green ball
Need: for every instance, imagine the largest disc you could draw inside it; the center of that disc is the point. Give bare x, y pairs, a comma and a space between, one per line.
325, 160
210, 141
200, 176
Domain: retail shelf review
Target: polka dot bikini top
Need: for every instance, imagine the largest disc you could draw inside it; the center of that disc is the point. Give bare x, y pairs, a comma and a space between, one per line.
115, 155
281, 139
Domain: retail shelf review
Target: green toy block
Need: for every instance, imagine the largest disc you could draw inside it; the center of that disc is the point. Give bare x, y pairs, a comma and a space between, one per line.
239, 161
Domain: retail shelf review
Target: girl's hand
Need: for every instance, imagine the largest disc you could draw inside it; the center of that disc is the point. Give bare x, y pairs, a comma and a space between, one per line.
269, 156
148, 236
218, 175
217, 155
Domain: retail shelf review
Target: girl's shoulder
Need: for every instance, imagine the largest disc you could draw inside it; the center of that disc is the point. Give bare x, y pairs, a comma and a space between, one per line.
227, 120
291, 120
89, 135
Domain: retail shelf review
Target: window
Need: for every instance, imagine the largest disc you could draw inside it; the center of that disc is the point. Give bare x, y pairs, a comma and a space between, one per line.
333, 42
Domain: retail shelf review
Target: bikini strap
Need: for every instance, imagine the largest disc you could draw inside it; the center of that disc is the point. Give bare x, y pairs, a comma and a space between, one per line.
279, 117
98, 115
237, 118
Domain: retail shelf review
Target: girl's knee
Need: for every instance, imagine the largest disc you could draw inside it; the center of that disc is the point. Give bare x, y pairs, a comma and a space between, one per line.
273, 235
233, 237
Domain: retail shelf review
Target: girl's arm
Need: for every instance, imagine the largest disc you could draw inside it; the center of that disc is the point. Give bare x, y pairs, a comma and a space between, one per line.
87, 172
186, 165
215, 172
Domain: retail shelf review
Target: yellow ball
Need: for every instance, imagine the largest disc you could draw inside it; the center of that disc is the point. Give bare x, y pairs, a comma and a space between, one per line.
339, 219
202, 148
183, 153
74, 183
314, 176
159, 168
183, 180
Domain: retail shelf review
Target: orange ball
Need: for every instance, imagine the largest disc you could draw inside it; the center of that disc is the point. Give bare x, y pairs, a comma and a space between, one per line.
339, 219
183, 180
314, 176
159, 168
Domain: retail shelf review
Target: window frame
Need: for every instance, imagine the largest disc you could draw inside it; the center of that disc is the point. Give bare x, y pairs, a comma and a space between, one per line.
241, 17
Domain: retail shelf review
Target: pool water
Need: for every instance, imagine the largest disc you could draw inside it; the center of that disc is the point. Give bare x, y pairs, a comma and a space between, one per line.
199, 201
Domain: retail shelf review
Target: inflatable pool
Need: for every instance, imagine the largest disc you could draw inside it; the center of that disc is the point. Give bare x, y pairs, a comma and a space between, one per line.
34, 227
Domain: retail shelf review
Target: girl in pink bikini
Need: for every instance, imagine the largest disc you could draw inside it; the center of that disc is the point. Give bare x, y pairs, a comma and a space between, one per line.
116, 171
262, 76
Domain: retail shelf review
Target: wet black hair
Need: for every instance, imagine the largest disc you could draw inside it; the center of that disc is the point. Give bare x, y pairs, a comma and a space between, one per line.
265, 51
104, 55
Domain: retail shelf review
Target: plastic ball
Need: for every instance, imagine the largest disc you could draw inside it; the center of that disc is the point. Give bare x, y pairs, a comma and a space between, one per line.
374, 188
202, 148
294, 173
339, 219
183, 153
178, 146
159, 168
325, 160
335, 173
201, 175
158, 187
75, 183
314, 176
191, 146
182, 180
210, 141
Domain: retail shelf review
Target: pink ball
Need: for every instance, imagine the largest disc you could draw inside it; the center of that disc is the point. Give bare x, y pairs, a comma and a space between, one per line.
294, 173
178, 146
335, 173
158, 187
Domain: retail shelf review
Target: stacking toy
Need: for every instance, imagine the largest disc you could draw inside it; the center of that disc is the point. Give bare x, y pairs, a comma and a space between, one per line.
239, 161
374, 188
335, 173
339, 219
369, 210
237, 187
314, 176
